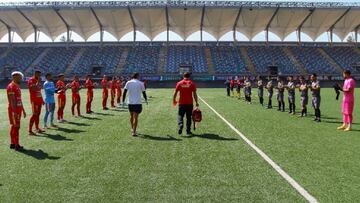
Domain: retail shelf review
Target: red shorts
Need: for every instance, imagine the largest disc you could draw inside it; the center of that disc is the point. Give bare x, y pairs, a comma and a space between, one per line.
105, 93
36, 107
15, 120
61, 100
90, 94
76, 98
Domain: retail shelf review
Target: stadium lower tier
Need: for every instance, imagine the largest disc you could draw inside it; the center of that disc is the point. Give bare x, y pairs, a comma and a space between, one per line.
159, 59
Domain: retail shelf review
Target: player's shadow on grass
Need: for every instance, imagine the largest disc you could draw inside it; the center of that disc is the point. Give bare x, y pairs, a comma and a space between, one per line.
90, 118
338, 122
66, 130
56, 137
39, 154
157, 138
78, 124
103, 114
119, 110
211, 136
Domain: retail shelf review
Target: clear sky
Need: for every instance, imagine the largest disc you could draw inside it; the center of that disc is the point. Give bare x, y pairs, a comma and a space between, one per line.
174, 37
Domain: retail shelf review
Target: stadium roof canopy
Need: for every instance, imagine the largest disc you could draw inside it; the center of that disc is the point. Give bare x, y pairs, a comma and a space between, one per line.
181, 17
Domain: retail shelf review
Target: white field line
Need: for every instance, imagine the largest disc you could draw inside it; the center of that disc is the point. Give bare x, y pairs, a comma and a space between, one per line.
277, 168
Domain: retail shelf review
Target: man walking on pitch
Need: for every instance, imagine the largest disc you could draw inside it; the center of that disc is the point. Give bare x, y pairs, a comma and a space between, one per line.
36, 101
187, 90
15, 109
135, 89
49, 88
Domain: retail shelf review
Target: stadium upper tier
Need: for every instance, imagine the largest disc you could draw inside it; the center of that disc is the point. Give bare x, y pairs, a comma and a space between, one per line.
160, 59
182, 17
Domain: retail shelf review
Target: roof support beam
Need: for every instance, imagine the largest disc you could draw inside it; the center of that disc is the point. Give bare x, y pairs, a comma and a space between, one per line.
202, 23
133, 22
9, 30
311, 11
167, 24
100, 25
235, 23
32, 24
269, 23
356, 33
337, 20
65, 23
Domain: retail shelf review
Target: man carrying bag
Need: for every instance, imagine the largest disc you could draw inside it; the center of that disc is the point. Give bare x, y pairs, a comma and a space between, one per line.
187, 90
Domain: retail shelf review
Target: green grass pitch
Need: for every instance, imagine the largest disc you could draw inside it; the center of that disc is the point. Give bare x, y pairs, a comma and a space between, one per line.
94, 159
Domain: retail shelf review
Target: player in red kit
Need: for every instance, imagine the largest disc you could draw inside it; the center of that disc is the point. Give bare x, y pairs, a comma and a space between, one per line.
75, 88
145, 84
112, 92
232, 85
61, 90
118, 90
15, 109
90, 93
105, 92
36, 100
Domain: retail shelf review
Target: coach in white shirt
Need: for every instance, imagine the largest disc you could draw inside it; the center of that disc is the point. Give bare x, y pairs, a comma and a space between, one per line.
135, 89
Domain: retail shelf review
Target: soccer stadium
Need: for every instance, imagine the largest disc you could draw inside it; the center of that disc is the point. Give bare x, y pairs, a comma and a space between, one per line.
229, 101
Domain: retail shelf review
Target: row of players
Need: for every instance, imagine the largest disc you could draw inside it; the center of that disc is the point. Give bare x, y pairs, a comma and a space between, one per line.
16, 109
280, 87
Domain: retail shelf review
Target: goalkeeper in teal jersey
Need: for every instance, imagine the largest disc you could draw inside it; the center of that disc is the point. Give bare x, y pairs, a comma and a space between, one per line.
49, 88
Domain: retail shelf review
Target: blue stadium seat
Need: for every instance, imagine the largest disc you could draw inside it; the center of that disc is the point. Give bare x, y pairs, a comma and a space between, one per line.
144, 59
191, 55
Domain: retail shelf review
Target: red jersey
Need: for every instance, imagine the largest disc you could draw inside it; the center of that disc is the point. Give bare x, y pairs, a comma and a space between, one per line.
113, 85
145, 83
75, 87
232, 82
14, 89
60, 85
104, 84
238, 82
118, 85
89, 85
186, 88
35, 94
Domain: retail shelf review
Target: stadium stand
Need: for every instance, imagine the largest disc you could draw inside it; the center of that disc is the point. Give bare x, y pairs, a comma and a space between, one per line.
193, 55
106, 57
346, 57
264, 56
312, 60
21, 58
57, 59
228, 60
144, 59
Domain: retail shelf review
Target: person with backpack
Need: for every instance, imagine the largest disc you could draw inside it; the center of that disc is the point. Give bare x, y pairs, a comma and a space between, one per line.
187, 90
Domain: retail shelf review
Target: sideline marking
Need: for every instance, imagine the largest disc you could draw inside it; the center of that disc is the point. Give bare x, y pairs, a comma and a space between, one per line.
277, 168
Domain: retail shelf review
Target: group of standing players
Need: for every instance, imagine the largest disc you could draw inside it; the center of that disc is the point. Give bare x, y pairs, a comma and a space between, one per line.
280, 85
35, 86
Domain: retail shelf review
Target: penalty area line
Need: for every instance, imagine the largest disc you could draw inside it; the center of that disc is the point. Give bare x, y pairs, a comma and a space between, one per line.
274, 165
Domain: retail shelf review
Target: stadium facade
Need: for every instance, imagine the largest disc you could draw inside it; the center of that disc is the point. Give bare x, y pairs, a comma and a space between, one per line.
155, 59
